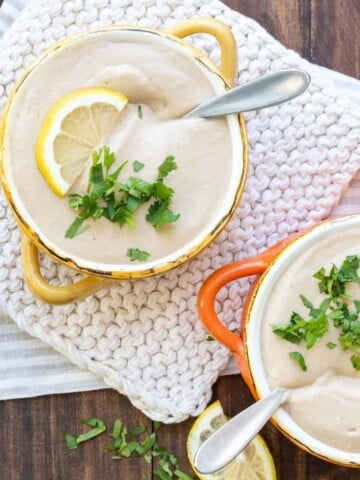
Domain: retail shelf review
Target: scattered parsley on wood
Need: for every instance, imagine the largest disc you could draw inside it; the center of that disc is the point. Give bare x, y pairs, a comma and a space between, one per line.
117, 201
135, 442
337, 307
98, 427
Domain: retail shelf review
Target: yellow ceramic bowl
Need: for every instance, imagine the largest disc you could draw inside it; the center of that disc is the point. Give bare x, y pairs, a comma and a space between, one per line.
98, 274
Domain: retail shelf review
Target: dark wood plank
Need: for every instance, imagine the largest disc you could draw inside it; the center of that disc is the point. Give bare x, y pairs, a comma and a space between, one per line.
288, 21
335, 39
32, 445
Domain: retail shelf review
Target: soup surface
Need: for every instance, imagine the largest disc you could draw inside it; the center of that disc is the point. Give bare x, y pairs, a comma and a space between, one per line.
166, 83
325, 399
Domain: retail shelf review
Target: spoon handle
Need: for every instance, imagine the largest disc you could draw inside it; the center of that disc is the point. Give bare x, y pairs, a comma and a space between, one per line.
229, 440
262, 92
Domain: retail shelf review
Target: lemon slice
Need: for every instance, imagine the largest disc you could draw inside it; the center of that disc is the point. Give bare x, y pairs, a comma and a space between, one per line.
73, 127
254, 463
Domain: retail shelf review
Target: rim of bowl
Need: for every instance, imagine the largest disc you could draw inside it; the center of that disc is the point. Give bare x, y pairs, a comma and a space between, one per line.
238, 136
282, 418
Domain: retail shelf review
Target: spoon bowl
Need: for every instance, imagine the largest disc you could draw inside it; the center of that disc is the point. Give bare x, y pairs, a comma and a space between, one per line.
231, 438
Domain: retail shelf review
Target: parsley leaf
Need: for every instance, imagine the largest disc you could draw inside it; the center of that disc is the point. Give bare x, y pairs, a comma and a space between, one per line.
159, 214
355, 360
137, 255
76, 228
348, 270
299, 359
182, 475
137, 166
140, 112
166, 167
70, 441
98, 429
137, 430
331, 345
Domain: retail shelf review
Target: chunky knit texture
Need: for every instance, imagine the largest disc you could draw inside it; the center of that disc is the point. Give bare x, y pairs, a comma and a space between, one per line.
144, 338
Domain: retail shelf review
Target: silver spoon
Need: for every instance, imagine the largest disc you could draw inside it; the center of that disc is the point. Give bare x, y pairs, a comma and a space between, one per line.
262, 92
229, 440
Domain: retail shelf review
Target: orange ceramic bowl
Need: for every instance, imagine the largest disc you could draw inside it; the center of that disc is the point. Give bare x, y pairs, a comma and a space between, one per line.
246, 347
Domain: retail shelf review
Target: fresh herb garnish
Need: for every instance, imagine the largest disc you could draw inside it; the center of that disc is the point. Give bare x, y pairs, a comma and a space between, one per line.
137, 255
98, 427
355, 360
166, 167
137, 166
117, 201
140, 112
159, 214
336, 307
135, 443
299, 359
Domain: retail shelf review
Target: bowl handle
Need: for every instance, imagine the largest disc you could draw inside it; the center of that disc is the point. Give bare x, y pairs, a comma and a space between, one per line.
49, 293
223, 35
218, 279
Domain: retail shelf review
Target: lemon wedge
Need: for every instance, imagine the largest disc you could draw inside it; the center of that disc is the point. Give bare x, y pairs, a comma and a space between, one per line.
254, 463
73, 127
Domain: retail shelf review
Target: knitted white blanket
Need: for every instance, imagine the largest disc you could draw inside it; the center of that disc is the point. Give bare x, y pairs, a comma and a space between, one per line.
144, 337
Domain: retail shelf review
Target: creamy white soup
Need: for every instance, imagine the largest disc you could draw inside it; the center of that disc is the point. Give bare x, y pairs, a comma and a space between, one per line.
166, 84
325, 399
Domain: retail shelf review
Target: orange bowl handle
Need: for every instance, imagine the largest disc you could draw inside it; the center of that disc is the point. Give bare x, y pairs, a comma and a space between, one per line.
50, 293
223, 35
218, 279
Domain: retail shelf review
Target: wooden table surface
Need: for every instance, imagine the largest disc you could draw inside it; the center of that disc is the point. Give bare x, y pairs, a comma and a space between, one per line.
32, 443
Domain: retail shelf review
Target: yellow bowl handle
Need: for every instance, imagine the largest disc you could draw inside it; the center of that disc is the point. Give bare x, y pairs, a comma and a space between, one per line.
49, 293
223, 35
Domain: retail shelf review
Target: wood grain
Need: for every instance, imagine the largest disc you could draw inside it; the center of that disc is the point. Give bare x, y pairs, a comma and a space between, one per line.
32, 443
288, 21
335, 38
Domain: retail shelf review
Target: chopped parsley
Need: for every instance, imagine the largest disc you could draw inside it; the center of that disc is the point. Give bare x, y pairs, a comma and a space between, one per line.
166, 167
135, 442
355, 360
98, 427
299, 359
139, 112
337, 308
137, 255
117, 201
137, 166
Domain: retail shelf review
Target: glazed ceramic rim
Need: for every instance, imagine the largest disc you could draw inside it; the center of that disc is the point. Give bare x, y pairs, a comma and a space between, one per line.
282, 418
202, 240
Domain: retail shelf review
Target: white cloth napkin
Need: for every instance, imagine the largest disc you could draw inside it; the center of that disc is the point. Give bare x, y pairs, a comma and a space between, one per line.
29, 367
